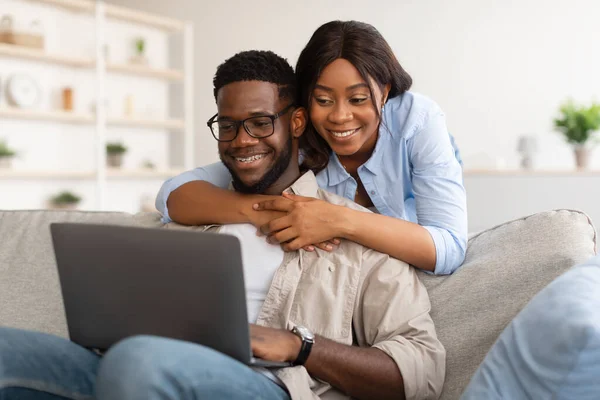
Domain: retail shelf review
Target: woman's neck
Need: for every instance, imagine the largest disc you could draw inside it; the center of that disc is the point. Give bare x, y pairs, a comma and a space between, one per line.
353, 161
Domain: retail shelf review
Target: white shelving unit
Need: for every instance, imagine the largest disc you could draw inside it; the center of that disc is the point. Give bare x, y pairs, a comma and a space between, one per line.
102, 71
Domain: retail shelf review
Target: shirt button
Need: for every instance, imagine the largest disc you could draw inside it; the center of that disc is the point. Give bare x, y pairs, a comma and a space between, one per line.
331, 268
372, 192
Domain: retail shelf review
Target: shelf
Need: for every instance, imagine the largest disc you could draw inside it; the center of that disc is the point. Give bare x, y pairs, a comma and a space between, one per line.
79, 118
145, 71
534, 172
119, 13
44, 174
170, 124
71, 5
27, 53
144, 18
56, 116
89, 175
142, 173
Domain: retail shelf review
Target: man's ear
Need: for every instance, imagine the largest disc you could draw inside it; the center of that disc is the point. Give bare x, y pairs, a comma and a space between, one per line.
298, 122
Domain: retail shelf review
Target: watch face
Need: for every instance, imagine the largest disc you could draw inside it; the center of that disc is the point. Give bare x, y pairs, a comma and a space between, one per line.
305, 332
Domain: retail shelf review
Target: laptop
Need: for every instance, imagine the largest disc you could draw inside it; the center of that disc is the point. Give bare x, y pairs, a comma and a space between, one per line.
120, 281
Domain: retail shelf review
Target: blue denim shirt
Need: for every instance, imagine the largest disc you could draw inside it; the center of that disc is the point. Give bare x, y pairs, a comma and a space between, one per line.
414, 174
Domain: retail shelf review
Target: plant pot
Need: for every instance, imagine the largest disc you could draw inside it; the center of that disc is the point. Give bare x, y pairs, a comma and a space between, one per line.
139, 60
582, 156
63, 206
5, 162
114, 160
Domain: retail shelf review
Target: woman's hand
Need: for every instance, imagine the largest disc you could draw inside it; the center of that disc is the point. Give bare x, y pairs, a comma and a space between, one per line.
308, 222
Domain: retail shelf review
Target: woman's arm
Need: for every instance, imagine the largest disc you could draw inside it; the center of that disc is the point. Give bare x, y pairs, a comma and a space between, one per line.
310, 220
404, 240
439, 193
201, 196
201, 203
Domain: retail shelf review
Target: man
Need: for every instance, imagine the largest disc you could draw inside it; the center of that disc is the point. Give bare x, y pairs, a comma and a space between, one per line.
350, 296
353, 322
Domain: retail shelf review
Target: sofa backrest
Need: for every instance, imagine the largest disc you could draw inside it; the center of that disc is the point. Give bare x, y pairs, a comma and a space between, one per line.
30, 295
504, 268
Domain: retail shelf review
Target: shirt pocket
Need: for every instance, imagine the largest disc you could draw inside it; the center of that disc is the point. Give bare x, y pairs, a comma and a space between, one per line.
325, 296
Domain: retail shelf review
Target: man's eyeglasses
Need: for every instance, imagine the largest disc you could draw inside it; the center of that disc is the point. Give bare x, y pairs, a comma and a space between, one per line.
259, 127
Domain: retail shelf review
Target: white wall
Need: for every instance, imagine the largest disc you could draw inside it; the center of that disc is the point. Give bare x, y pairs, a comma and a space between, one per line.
499, 68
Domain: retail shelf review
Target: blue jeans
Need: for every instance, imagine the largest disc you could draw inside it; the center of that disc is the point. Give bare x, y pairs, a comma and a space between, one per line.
44, 367
37, 366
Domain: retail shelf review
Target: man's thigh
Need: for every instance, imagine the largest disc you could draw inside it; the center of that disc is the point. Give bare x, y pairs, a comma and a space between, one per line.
39, 366
149, 368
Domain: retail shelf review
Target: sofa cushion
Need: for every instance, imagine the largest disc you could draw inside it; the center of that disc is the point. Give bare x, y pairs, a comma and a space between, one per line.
551, 349
30, 295
504, 268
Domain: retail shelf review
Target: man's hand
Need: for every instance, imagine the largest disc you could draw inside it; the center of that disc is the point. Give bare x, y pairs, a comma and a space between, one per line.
274, 344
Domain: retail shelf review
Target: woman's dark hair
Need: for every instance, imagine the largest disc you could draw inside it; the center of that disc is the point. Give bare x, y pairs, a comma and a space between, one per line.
363, 46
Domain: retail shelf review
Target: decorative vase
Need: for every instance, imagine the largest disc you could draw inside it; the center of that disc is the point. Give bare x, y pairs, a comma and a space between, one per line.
114, 160
5, 162
582, 154
526, 162
527, 146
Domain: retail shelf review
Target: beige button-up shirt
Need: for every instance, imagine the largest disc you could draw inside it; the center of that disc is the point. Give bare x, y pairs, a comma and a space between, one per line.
356, 296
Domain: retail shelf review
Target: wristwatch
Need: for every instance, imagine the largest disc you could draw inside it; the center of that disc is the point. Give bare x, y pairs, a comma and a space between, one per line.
308, 339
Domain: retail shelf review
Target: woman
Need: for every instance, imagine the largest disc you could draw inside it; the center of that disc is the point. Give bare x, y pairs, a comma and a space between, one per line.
370, 140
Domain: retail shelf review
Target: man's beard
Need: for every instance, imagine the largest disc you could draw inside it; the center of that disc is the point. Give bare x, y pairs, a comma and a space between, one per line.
269, 178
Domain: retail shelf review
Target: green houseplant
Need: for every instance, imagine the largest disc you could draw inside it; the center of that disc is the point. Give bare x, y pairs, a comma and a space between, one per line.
114, 154
140, 49
578, 124
6, 155
65, 200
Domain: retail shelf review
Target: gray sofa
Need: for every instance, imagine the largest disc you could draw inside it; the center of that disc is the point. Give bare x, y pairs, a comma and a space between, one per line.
504, 268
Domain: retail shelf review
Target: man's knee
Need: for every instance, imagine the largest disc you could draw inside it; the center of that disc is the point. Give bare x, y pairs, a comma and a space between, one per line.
146, 367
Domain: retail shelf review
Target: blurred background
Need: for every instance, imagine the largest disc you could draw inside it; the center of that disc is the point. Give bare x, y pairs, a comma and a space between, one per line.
518, 81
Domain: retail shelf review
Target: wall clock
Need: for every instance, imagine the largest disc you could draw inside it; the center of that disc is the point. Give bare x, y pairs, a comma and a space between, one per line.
22, 91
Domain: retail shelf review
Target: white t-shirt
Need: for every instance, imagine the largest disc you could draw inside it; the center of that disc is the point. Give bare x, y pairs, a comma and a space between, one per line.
260, 260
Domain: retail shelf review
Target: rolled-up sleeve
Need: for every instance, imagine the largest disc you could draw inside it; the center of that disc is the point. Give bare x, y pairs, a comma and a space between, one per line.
392, 315
216, 173
440, 197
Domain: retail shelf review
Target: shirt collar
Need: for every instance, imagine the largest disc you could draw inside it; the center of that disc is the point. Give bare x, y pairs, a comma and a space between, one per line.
306, 185
336, 173
373, 164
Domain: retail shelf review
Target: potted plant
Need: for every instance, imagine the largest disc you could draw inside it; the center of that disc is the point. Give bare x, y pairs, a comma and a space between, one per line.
6, 155
65, 200
577, 124
114, 154
139, 50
